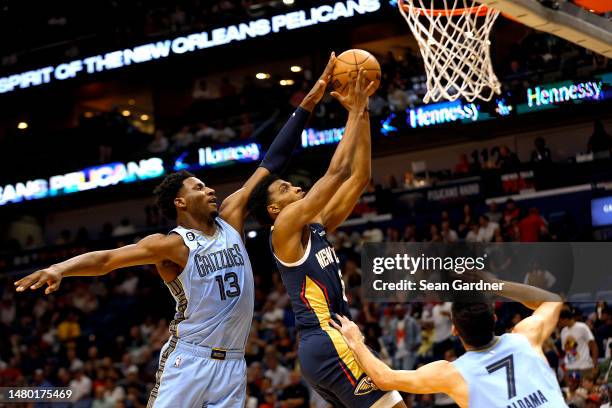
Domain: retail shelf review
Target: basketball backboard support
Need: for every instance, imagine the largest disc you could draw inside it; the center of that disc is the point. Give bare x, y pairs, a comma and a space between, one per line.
567, 20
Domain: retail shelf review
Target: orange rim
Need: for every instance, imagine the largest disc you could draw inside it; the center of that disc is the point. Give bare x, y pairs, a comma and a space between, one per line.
480, 11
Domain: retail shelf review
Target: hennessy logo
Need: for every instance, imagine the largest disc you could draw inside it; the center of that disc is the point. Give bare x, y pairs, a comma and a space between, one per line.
365, 386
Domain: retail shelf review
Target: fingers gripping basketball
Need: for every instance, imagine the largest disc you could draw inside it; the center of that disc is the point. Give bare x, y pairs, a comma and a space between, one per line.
347, 67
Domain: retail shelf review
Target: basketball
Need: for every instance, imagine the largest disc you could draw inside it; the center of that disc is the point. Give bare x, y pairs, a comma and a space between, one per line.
347, 66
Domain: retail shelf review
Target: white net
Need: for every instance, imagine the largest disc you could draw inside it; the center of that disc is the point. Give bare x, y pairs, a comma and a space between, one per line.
455, 45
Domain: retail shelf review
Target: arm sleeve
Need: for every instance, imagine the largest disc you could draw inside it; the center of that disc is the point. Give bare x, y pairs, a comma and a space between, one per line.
279, 153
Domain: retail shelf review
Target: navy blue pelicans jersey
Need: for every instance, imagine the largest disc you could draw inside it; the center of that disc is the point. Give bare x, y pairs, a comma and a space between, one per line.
314, 284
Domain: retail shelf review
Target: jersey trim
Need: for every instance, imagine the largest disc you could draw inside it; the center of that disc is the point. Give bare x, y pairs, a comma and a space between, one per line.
316, 296
176, 287
160, 371
298, 262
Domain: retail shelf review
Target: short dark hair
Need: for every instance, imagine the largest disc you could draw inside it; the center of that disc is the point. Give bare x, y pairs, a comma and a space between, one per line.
166, 192
566, 314
259, 200
475, 322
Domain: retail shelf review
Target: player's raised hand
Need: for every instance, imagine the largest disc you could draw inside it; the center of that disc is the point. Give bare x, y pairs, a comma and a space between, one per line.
356, 99
49, 276
349, 330
318, 90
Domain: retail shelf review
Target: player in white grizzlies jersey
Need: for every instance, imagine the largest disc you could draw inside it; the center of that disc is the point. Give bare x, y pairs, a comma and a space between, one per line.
204, 263
509, 371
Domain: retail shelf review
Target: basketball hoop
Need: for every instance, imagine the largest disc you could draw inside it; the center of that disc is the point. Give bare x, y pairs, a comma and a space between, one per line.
455, 45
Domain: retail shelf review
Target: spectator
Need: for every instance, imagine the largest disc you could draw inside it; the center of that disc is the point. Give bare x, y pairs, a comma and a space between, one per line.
80, 386
406, 334
494, 214
486, 232
440, 317
296, 394
600, 141
391, 182
226, 89
463, 167
377, 105
603, 334
448, 235
299, 94
578, 344
201, 90
397, 98
224, 134
183, 138
511, 211
270, 399
159, 144
541, 153
409, 233
69, 329
472, 235
507, 160
65, 238
246, 126
532, 227
409, 180
574, 394
124, 228
278, 374
272, 315
434, 233
205, 133
372, 233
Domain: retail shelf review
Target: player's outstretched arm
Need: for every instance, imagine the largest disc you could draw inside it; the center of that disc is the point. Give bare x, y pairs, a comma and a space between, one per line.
234, 208
290, 222
150, 250
342, 203
546, 306
431, 378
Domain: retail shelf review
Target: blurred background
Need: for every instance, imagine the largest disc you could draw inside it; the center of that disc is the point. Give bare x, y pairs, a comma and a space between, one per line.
86, 135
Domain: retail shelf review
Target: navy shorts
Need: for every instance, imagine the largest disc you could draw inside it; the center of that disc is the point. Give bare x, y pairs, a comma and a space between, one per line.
331, 369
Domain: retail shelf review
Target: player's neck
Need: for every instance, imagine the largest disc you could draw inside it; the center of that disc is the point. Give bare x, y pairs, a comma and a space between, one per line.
207, 227
481, 348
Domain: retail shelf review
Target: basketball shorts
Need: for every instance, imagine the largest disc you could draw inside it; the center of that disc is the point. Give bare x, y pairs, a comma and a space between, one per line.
331, 370
199, 377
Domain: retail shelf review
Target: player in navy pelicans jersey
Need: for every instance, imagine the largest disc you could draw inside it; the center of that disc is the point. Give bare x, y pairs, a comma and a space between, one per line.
509, 371
206, 268
308, 265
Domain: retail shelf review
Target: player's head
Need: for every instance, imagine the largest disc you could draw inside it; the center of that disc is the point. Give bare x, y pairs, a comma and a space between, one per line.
270, 196
474, 323
183, 192
566, 318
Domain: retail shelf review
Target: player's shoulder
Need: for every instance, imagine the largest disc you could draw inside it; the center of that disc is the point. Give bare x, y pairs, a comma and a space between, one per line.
159, 240
444, 372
